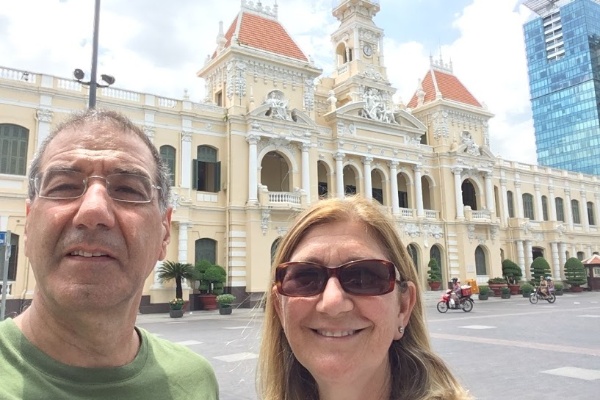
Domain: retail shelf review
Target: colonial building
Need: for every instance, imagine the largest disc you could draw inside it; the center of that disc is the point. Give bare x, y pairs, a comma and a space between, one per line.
273, 136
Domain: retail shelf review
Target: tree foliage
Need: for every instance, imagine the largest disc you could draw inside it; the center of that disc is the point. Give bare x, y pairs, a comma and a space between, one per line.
539, 269
511, 271
211, 277
434, 272
170, 270
575, 272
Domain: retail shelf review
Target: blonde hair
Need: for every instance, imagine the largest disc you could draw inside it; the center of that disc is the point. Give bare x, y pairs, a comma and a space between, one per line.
417, 373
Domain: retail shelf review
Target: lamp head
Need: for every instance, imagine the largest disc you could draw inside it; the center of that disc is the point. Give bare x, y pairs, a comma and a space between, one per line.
78, 74
109, 79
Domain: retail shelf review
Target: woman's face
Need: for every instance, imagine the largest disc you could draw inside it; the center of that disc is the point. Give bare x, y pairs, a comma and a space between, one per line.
342, 338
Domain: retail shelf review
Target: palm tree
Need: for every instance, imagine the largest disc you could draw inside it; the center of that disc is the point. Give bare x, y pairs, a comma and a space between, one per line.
175, 270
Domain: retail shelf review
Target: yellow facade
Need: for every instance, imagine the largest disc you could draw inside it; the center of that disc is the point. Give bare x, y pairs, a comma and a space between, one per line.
285, 137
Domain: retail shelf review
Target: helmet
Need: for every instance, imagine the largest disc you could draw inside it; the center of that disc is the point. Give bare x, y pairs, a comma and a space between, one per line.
454, 279
548, 278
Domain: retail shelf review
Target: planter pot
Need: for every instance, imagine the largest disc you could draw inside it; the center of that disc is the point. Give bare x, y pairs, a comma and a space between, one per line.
225, 310
576, 289
176, 313
514, 289
497, 288
483, 296
208, 301
526, 294
558, 292
435, 285
505, 295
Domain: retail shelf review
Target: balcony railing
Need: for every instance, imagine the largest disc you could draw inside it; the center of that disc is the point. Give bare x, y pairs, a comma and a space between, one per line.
285, 198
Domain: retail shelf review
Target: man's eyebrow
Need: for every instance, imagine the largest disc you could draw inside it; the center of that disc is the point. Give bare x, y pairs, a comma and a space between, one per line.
63, 167
129, 170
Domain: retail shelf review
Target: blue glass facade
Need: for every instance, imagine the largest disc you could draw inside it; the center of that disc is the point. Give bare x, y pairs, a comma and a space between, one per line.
563, 60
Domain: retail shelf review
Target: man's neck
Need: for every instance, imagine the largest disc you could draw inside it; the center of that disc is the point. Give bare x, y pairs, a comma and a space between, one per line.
82, 339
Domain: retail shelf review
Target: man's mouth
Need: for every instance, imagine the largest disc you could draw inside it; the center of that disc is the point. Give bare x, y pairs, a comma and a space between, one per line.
85, 254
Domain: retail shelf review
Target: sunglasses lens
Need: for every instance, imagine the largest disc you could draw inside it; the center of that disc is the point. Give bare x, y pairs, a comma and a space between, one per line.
300, 279
367, 278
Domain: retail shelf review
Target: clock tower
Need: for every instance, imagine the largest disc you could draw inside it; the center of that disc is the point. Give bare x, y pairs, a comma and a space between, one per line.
358, 45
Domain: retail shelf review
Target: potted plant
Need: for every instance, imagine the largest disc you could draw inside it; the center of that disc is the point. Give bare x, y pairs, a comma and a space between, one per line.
526, 289
512, 273
176, 308
496, 285
435, 274
224, 301
575, 274
211, 278
170, 270
505, 293
484, 292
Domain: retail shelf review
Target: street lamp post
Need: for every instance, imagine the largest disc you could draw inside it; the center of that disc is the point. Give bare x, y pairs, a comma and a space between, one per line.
79, 74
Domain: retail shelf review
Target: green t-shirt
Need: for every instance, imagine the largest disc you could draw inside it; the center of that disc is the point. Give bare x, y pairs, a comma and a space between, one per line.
161, 370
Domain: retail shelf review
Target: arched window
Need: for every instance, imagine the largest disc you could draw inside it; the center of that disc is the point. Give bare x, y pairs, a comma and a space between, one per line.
414, 255
480, 261
528, 206
14, 140
575, 210
510, 204
590, 213
167, 153
468, 195
545, 208
436, 254
207, 170
206, 249
13, 260
560, 211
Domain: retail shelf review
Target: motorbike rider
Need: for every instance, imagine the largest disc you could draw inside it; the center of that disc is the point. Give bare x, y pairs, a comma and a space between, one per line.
455, 294
544, 287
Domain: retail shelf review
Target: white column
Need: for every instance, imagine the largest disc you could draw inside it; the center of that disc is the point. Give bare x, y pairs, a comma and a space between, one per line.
568, 210
339, 174
562, 256
186, 160
506, 216
367, 172
394, 187
552, 201
306, 171
419, 191
460, 212
584, 211
156, 284
44, 118
520, 256
489, 192
528, 258
252, 140
539, 211
182, 256
555, 260
519, 198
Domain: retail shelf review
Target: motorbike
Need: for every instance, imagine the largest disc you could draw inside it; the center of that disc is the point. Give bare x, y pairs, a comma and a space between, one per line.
464, 302
537, 295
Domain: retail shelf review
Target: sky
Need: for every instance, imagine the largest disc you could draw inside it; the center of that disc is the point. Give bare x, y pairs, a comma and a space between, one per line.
157, 46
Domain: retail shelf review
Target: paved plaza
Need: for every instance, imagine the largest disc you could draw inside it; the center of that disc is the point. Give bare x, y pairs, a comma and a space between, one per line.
503, 349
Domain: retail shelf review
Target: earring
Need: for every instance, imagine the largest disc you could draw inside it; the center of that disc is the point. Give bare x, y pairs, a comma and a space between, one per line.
400, 329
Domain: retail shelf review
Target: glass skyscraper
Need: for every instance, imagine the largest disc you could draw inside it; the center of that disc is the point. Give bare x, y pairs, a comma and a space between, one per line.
563, 61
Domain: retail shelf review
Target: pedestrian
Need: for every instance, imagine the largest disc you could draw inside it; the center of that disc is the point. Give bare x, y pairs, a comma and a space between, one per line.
344, 316
98, 220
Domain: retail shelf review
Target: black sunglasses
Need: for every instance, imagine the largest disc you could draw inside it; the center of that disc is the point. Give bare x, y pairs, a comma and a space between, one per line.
369, 277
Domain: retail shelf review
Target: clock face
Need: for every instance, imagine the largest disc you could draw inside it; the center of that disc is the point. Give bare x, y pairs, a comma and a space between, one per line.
368, 50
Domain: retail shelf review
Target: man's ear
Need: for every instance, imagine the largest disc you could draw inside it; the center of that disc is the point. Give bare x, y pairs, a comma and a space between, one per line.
408, 299
166, 227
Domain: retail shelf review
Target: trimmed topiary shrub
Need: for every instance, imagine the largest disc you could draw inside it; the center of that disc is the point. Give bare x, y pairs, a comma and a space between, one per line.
434, 272
539, 269
511, 271
575, 272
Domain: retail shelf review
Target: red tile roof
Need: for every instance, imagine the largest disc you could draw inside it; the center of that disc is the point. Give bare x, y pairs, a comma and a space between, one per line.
263, 33
448, 85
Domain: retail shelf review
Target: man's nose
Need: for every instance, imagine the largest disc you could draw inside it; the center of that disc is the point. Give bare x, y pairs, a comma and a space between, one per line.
96, 206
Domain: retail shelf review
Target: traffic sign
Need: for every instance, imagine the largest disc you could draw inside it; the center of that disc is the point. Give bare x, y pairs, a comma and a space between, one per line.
2, 237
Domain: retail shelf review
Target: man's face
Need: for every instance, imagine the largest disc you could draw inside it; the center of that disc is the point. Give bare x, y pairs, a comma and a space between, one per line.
94, 252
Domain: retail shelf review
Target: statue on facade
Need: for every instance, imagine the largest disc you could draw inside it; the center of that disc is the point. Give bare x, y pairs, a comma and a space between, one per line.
277, 106
375, 108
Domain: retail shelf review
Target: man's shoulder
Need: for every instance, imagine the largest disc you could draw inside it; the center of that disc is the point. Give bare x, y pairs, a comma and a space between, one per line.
165, 350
